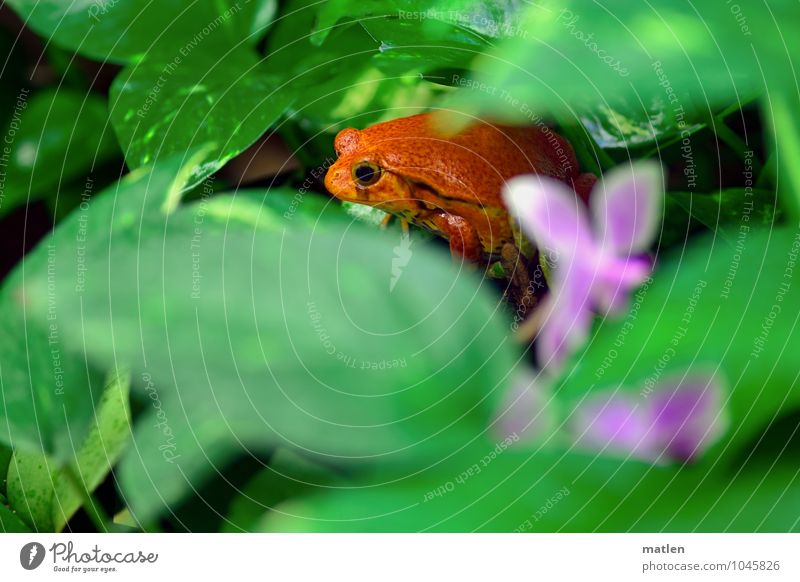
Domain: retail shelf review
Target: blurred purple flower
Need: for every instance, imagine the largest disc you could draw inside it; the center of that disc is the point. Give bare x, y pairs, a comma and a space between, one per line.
678, 421
597, 262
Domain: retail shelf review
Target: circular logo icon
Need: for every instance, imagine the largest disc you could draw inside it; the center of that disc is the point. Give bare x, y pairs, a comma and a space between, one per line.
31, 555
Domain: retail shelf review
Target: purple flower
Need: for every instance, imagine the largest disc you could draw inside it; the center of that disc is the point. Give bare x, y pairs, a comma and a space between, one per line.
597, 262
675, 420
678, 421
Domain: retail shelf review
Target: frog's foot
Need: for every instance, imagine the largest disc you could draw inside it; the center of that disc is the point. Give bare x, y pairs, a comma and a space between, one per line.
520, 289
386, 220
464, 239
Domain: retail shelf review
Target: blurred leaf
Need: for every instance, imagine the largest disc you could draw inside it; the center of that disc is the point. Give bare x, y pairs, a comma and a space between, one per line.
268, 354
556, 491
574, 54
48, 390
780, 112
39, 489
370, 71
126, 31
55, 136
161, 106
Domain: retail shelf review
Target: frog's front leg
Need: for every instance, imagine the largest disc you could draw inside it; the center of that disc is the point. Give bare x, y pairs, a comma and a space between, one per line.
463, 237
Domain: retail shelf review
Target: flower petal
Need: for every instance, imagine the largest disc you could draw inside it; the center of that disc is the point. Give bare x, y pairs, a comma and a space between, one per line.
678, 420
626, 207
616, 278
550, 214
567, 316
688, 417
613, 423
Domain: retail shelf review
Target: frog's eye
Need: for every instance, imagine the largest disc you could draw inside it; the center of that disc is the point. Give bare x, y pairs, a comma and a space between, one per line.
366, 173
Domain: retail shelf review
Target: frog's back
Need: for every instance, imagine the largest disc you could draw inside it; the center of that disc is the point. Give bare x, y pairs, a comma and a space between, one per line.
471, 165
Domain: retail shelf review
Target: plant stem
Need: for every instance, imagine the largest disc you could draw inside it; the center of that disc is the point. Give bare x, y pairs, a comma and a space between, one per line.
733, 141
782, 121
90, 504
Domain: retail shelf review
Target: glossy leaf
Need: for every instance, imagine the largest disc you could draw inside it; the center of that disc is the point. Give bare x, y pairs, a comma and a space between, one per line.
208, 97
123, 31
469, 20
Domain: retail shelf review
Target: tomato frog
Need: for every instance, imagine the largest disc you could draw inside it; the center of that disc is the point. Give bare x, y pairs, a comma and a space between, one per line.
450, 184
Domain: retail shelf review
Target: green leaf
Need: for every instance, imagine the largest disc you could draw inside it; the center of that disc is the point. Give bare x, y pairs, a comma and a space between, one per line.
31, 481
282, 352
161, 106
55, 136
126, 31
39, 489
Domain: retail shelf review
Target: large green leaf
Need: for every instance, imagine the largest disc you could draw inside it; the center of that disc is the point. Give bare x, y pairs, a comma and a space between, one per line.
223, 97
125, 30
247, 328
54, 136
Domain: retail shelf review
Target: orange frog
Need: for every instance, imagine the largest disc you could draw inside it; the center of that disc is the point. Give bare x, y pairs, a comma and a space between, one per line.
449, 184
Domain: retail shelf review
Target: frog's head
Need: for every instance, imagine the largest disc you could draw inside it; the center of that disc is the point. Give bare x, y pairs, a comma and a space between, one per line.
361, 174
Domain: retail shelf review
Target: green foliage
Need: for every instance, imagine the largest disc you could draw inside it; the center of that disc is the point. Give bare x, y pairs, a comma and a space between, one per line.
273, 323
300, 369
126, 31
163, 106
